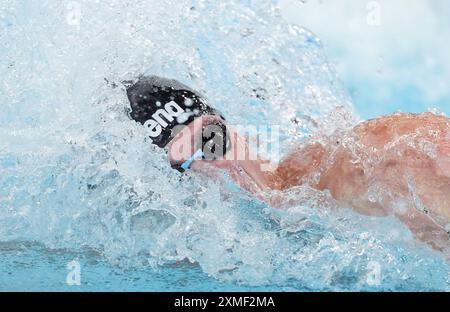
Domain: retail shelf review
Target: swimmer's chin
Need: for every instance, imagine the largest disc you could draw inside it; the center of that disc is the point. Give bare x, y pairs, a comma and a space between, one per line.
206, 168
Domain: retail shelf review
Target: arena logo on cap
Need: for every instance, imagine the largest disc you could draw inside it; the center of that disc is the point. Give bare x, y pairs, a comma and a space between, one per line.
162, 117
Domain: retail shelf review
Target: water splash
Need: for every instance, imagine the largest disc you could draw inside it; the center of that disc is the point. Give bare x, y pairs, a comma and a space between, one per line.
76, 173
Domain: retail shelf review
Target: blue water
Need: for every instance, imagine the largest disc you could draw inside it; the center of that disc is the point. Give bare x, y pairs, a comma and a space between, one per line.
398, 63
80, 184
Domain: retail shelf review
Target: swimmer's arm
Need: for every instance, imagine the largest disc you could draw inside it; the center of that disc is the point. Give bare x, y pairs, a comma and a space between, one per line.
258, 175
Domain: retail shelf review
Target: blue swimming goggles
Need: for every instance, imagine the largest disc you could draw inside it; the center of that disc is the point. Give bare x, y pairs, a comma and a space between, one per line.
213, 136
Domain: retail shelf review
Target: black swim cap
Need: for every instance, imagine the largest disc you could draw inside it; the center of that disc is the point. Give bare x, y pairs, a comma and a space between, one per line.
162, 104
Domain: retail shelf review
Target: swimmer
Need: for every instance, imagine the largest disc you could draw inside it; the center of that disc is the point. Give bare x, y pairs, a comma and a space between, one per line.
394, 165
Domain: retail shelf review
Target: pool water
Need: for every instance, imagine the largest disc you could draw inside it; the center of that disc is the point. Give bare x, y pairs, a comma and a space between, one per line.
86, 203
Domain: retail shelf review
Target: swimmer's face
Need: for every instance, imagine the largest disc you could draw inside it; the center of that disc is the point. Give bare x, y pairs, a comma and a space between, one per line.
188, 140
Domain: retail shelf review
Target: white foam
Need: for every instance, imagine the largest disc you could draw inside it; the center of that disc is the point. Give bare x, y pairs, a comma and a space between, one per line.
405, 52
77, 173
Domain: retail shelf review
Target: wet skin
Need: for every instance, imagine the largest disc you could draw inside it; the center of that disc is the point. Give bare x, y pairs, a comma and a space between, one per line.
394, 165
